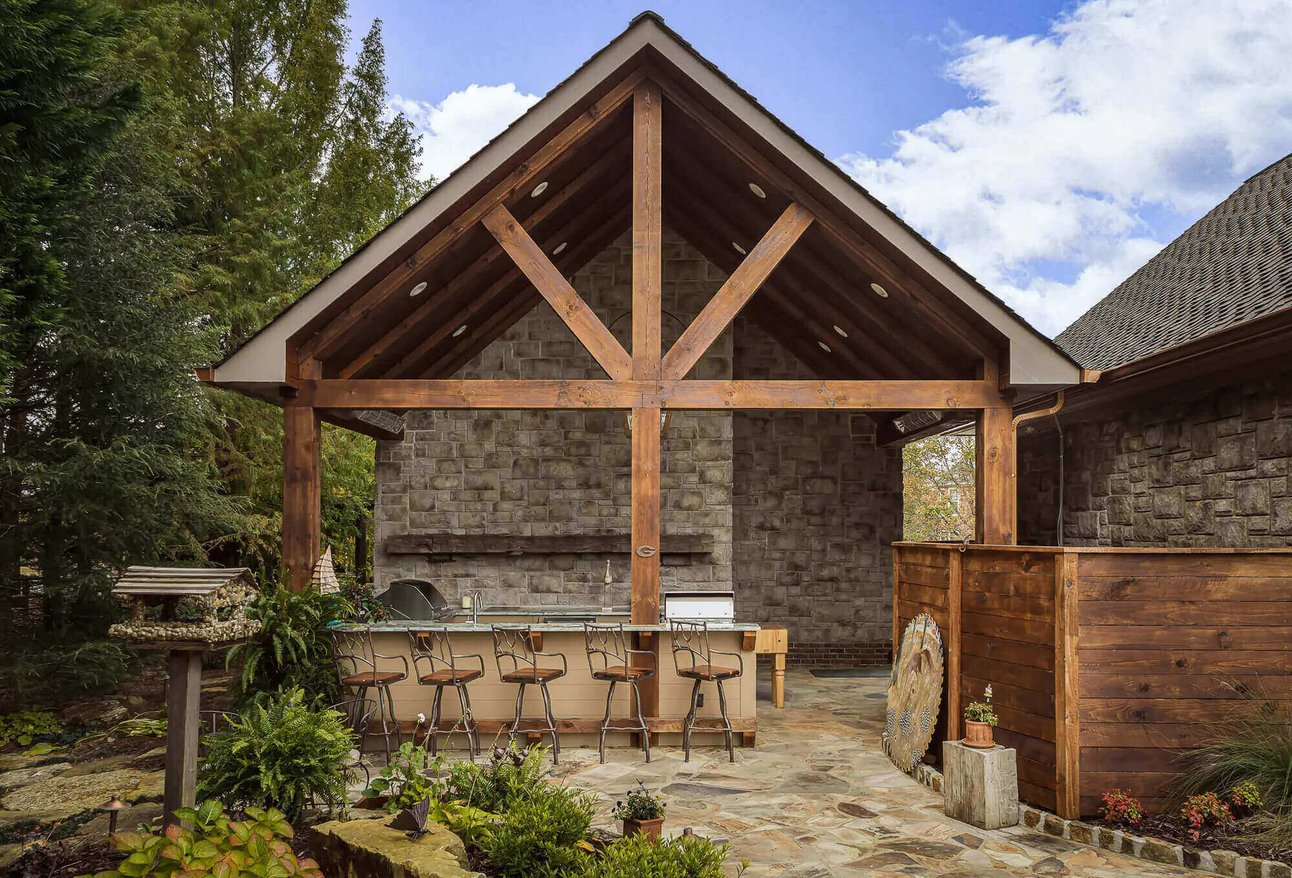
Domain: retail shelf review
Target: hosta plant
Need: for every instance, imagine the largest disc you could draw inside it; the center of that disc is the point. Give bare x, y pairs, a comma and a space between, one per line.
404, 781
207, 842
25, 726
1120, 808
1204, 809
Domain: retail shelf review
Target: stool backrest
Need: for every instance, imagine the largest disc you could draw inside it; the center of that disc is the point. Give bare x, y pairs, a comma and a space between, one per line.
432, 647
606, 645
352, 651
691, 638
513, 646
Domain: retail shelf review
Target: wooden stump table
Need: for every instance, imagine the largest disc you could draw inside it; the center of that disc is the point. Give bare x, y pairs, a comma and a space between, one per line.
980, 787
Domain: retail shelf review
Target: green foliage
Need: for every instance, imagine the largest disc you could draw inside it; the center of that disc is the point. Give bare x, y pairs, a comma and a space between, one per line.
281, 754
1202, 810
980, 712
404, 779
142, 727
292, 649
25, 726
39, 673
1245, 799
362, 597
1253, 748
638, 804
509, 777
636, 856
938, 488
542, 834
1120, 808
207, 842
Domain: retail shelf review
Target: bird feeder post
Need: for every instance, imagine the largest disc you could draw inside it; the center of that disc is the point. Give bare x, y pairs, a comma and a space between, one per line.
182, 705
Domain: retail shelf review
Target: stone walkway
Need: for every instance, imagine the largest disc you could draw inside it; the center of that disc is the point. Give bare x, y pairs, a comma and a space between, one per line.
817, 799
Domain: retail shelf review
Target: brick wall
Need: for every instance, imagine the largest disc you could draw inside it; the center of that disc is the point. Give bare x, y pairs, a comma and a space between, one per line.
816, 508
1210, 470
560, 472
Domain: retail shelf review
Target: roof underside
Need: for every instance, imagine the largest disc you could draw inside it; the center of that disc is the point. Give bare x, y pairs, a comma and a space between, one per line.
902, 317
1231, 266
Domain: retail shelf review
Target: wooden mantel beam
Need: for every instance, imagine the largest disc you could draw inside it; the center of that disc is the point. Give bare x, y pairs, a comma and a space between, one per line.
564, 299
739, 287
403, 395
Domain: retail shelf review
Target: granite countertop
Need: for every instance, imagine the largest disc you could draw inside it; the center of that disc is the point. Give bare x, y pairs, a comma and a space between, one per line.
393, 627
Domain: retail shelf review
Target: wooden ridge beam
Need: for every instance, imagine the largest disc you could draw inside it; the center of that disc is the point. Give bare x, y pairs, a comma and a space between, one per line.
321, 341
564, 299
408, 394
740, 285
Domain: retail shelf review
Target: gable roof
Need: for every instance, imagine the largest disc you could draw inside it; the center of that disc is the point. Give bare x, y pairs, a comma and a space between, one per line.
260, 365
1231, 266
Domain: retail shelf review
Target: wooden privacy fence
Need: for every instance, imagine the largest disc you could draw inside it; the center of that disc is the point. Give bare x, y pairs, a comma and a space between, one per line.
1105, 664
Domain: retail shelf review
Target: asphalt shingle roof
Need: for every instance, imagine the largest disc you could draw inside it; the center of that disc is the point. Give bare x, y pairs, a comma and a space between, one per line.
1231, 266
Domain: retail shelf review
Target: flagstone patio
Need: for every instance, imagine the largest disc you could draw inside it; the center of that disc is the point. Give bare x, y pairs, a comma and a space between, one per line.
818, 798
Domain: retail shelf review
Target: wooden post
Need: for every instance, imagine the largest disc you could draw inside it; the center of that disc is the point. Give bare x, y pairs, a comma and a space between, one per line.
996, 484
302, 493
184, 689
954, 594
646, 533
1067, 719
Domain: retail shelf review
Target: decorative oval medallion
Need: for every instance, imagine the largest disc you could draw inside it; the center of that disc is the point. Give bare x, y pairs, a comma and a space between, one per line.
646, 551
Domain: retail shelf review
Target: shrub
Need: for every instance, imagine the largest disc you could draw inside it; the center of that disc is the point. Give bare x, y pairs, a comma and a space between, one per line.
542, 834
281, 754
687, 856
44, 673
1245, 799
206, 842
508, 777
26, 726
638, 804
1120, 808
292, 650
404, 779
1206, 809
362, 598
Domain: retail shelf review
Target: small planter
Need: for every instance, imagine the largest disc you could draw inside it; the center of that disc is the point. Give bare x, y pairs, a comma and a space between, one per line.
649, 828
978, 735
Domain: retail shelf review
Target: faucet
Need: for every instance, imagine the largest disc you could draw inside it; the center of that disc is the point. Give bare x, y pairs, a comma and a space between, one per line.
477, 597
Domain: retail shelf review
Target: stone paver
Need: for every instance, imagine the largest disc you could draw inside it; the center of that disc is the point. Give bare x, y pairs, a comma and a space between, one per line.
817, 799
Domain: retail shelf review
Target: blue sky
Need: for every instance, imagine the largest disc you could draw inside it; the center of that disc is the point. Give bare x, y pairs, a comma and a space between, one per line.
1049, 147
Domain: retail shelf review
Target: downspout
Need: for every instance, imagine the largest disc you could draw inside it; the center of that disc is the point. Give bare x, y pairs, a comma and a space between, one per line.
1045, 413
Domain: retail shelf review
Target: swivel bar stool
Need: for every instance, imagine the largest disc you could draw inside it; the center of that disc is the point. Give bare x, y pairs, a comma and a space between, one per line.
358, 666
610, 660
513, 647
692, 640
437, 665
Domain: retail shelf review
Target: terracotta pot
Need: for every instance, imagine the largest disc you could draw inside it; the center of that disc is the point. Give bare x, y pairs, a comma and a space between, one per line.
978, 735
648, 828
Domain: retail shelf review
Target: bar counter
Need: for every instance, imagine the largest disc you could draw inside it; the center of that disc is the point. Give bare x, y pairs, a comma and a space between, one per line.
578, 701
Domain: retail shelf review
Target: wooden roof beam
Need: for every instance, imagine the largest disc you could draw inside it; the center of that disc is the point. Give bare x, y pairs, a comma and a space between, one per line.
740, 285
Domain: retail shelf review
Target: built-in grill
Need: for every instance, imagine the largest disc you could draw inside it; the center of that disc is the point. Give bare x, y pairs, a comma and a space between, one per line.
415, 599
711, 606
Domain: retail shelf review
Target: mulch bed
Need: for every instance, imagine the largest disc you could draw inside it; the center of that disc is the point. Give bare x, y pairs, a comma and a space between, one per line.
65, 859
1214, 838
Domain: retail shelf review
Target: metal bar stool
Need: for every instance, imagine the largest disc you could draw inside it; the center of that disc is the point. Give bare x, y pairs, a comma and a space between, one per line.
436, 665
358, 667
610, 659
692, 639
513, 647
357, 713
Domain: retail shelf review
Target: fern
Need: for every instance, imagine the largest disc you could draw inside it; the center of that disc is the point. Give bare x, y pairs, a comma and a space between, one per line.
293, 649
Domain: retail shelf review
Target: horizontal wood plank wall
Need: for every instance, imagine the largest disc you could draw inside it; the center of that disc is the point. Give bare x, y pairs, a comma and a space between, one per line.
922, 584
1166, 644
1007, 641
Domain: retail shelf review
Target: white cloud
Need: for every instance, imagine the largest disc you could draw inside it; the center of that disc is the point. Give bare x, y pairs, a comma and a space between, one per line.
452, 130
1073, 142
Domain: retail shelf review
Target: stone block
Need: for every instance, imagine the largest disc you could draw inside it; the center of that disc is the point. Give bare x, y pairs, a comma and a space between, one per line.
980, 787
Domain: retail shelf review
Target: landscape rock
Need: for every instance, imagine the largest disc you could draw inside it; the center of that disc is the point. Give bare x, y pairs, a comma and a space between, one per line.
59, 797
371, 849
21, 777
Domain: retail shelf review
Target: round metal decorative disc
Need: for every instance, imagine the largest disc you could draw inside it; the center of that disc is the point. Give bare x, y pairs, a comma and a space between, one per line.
914, 693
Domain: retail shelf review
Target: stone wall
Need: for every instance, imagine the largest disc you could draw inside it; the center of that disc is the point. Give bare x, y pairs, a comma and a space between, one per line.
817, 506
1210, 470
560, 472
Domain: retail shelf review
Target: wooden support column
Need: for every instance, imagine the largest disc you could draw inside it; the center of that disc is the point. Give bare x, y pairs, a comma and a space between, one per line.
955, 599
996, 484
1067, 721
645, 533
183, 692
302, 493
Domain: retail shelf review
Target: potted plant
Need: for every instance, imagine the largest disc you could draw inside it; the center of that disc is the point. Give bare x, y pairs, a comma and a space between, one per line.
642, 813
980, 718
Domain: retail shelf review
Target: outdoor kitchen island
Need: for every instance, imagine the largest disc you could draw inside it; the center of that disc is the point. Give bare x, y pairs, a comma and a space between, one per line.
578, 701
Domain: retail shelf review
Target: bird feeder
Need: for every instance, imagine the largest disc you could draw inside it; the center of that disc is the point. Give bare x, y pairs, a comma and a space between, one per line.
187, 612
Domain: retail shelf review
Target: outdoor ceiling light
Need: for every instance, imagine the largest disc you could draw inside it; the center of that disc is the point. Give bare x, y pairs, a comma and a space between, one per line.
739, 249
560, 248
823, 346
839, 331
757, 190
461, 329
539, 189
417, 289
879, 291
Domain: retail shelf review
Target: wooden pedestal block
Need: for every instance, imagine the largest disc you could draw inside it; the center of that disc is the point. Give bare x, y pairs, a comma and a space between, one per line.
980, 786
